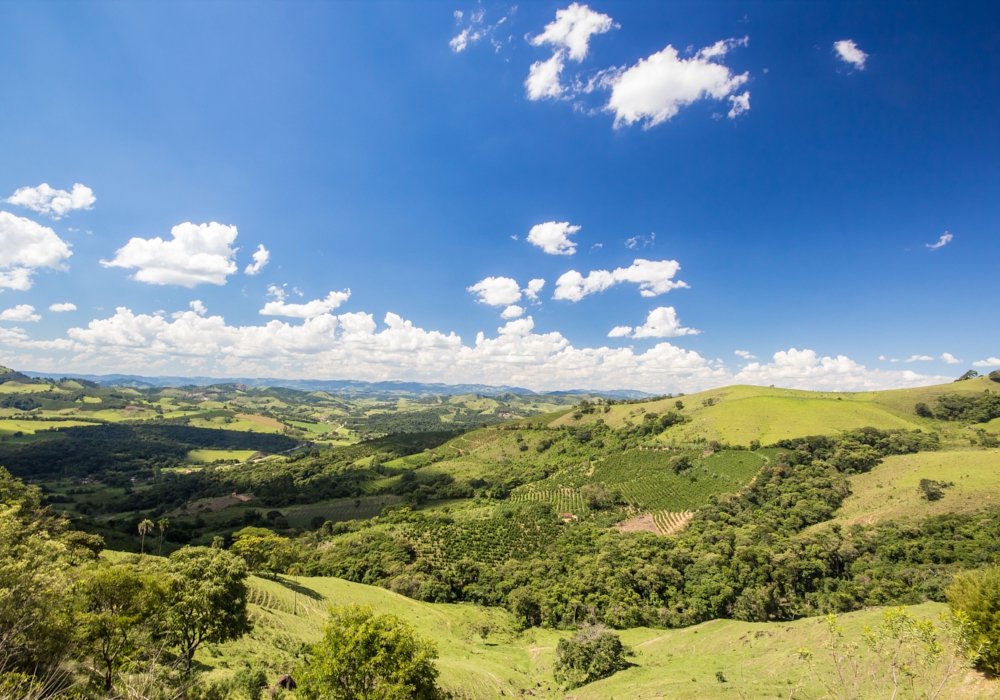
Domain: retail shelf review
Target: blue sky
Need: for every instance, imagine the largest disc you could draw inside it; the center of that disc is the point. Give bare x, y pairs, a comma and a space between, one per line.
790, 163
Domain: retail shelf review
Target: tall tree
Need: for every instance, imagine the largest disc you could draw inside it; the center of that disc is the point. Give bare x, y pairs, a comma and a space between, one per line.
206, 600
163, 524
120, 606
364, 656
145, 527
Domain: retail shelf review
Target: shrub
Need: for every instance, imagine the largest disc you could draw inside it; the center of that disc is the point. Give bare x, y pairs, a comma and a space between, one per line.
995, 375
592, 654
932, 490
923, 410
977, 594
364, 656
680, 463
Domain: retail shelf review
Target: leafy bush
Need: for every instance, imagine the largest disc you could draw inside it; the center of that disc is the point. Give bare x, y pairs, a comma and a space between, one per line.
995, 375
594, 653
923, 410
977, 594
932, 490
364, 656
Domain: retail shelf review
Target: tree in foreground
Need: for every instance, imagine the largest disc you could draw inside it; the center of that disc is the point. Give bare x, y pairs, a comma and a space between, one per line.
594, 653
364, 656
977, 594
206, 599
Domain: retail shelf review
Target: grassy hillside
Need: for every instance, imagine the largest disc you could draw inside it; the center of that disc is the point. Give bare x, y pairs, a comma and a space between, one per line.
757, 659
891, 490
739, 414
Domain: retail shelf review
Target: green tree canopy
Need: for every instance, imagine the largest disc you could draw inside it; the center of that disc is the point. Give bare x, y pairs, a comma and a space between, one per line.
364, 656
977, 594
206, 599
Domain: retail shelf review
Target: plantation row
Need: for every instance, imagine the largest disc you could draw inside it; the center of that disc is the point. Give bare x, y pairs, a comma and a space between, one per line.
344, 509
509, 534
668, 523
563, 500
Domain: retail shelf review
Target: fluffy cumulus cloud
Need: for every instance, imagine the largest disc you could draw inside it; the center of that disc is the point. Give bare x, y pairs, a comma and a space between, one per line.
21, 312
950, 359
534, 287
988, 362
543, 78
656, 88
195, 254
60, 308
653, 277
806, 369
25, 247
569, 35
944, 240
849, 52
661, 322
512, 311
553, 237
355, 345
572, 30
260, 260
745, 354
496, 291
310, 309
52, 202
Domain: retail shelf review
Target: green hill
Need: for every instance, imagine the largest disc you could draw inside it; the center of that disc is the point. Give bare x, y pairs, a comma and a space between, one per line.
740, 414
757, 659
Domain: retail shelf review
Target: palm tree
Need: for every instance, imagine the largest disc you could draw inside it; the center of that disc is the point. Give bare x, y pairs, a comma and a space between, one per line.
145, 527
162, 523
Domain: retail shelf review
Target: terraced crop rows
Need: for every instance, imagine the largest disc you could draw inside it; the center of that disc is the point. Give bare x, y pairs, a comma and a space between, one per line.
647, 482
668, 523
340, 510
564, 500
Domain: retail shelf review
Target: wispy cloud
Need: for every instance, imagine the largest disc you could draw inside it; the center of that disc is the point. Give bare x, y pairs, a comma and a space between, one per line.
944, 240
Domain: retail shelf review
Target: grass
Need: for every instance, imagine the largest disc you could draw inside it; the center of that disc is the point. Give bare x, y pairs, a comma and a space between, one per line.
740, 414
209, 456
890, 491
757, 659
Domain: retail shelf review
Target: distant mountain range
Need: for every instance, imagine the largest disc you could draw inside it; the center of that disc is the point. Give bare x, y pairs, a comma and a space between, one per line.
341, 387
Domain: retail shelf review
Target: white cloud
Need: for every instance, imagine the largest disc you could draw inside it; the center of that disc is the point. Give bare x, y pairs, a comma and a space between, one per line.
950, 359
913, 358
60, 308
352, 345
21, 312
196, 254
260, 260
988, 362
310, 309
740, 104
26, 246
572, 30
198, 307
52, 202
654, 278
745, 354
849, 52
655, 88
496, 291
805, 369
512, 311
543, 78
460, 41
533, 288
661, 322
942, 242
553, 237
476, 31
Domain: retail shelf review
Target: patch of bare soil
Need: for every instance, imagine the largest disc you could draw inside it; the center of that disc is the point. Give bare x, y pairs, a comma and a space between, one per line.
640, 523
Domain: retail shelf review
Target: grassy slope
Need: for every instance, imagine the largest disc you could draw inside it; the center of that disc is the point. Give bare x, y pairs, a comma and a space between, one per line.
890, 491
756, 658
745, 413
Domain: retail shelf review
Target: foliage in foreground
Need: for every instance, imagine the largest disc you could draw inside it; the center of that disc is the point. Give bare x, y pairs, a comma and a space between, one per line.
903, 657
364, 656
